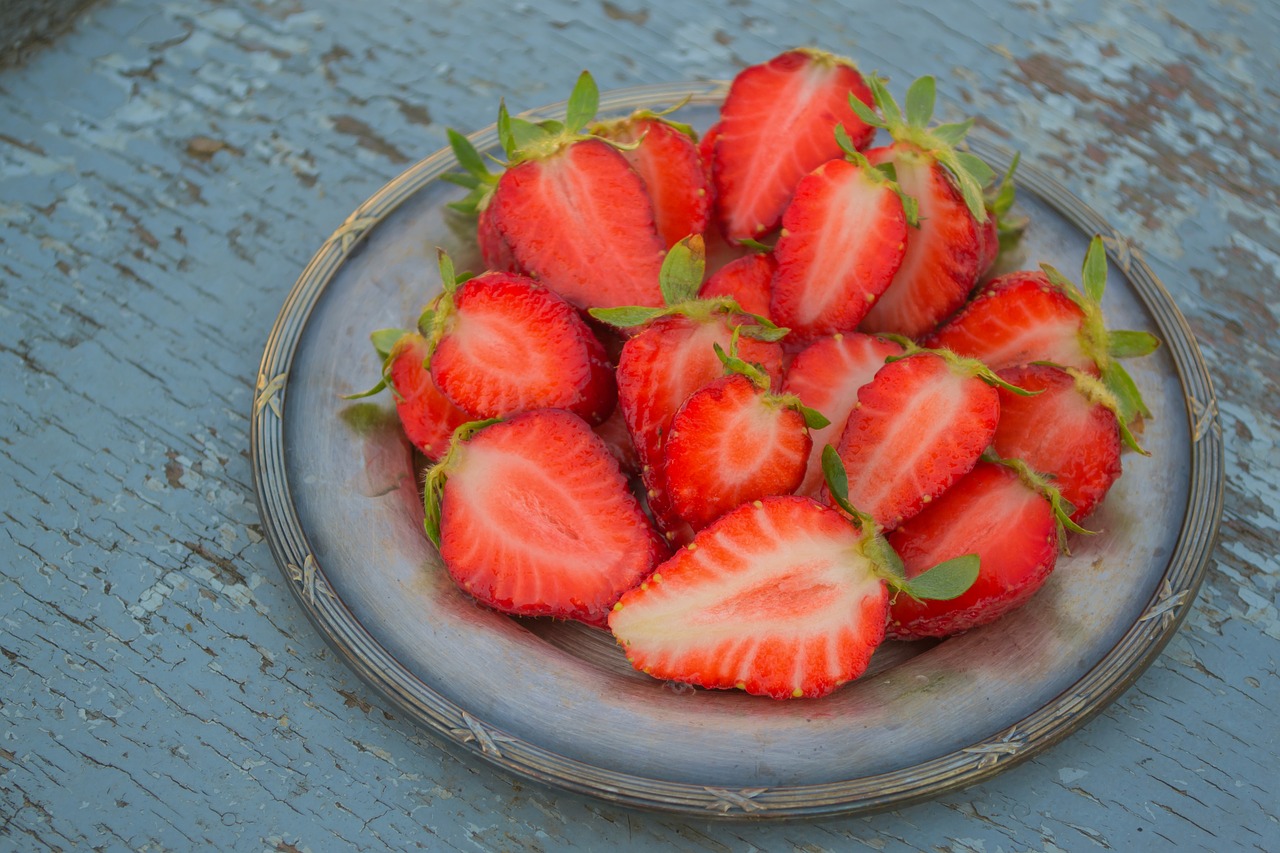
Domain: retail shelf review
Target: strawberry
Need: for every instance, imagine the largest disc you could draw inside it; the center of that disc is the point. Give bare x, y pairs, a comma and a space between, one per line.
844, 236
573, 212
776, 126
707, 151
671, 356
501, 343
826, 376
1001, 230
781, 597
613, 432
494, 250
1042, 316
746, 280
427, 416
532, 517
943, 255
666, 156
1006, 515
1071, 432
732, 442
918, 426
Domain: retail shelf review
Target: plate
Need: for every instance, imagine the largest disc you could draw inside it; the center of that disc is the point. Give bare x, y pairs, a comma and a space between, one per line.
556, 702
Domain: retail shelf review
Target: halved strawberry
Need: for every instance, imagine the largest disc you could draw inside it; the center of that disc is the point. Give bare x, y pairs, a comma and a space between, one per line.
532, 517
1071, 432
732, 442
942, 260
427, 416
667, 158
1008, 517
502, 343
776, 126
707, 151
918, 426
613, 432
672, 356
573, 212
746, 280
494, 250
844, 236
781, 597
826, 376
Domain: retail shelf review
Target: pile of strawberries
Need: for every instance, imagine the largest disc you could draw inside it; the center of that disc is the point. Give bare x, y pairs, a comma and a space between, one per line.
742, 400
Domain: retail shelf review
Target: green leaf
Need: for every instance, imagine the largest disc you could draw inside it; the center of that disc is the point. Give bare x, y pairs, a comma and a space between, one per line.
505, 135
682, 270
1126, 343
864, 113
448, 277
733, 363
945, 581
526, 134
843, 140
888, 106
385, 339
813, 419
755, 245
583, 103
977, 168
462, 179
880, 552
1093, 274
833, 471
920, 101
376, 389
1004, 199
760, 332
627, 316
432, 502
468, 157
889, 170
952, 134
552, 127
1066, 285
1128, 397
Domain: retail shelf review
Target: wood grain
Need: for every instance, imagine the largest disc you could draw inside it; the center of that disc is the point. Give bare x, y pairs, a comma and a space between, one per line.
167, 170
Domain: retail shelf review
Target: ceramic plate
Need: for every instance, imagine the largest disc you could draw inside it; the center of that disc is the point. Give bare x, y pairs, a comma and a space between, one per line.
557, 702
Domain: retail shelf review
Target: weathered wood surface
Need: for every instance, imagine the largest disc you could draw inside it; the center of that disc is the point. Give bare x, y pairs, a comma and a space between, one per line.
166, 171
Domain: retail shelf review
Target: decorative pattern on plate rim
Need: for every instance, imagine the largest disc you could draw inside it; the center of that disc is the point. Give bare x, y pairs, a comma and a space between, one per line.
270, 391
475, 731
1166, 604
743, 798
993, 750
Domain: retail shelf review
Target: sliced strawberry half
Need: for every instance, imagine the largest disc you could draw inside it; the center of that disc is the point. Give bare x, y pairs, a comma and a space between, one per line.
919, 425
1071, 432
502, 343
826, 376
1023, 317
494, 251
747, 280
533, 517
1005, 517
732, 442
666, 157
707, 151
427, 416
777, 125
844, 236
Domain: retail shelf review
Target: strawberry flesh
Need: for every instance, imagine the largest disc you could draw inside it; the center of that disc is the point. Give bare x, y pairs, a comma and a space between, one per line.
777, 125
494, 250
991, 513
1060, 433
537, 520
919, 426
581, 222
730, 444
511, 345
826, 376
747, 280
671, 167
775, 599
942, 259
844, 236
428, 416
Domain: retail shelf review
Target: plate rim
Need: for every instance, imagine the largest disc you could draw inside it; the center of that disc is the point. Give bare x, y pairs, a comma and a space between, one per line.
1101, 685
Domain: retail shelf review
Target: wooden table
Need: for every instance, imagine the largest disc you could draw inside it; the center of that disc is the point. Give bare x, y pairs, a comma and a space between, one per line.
166, 171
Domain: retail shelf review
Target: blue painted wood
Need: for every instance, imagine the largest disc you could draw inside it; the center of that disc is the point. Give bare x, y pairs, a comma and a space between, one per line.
166, 170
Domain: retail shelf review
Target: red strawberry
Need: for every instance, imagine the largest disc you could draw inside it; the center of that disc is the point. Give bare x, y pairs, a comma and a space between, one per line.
613, 432
668, 161
732, 442
707, 150
672, 356
1070, 432
1000, 230
826, 376
781, 597
746, 280
1042, 316
844, 236
494, 250
427, 416
532, 517
502, 343
942, 261
1009, 519
777, 125
918, 426
573, 212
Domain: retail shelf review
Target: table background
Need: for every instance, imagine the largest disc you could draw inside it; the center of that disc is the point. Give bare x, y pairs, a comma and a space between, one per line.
166, 171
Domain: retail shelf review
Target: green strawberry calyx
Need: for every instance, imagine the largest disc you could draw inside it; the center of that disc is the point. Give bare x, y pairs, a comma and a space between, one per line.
680, 279
1096, 392
438, 475
999, 199
940, 141
961, 365
1106, 347
623, 128
386, 342
1062, 508
943, 582
757, 376
437, 318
